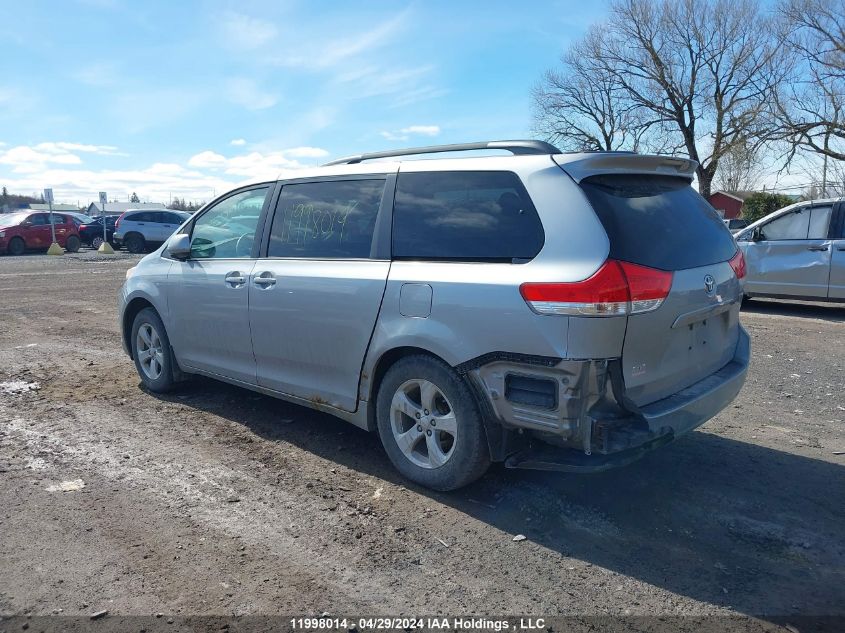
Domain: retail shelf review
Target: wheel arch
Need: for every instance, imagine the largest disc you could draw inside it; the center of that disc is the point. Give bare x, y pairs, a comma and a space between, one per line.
132, 309
389, 358
18, 237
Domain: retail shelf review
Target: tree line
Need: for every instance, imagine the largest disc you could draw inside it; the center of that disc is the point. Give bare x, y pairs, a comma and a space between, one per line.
717, 80
180, 204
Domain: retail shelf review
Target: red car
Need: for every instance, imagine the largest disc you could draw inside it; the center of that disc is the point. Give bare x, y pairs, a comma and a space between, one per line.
31, 230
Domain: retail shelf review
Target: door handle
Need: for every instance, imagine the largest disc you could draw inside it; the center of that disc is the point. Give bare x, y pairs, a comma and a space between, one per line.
817, 248
264, 280
235, 279
840, 248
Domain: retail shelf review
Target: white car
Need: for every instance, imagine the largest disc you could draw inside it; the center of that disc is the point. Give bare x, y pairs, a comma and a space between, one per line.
139, 229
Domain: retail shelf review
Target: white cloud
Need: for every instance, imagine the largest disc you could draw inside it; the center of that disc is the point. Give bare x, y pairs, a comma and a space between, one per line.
61, 147
207, 159
238, 141
312, 47
204, 175
422, 130
306, 152
243, 32
374, 81
257, 164
246, 92
24, 159
412, 130
157, 183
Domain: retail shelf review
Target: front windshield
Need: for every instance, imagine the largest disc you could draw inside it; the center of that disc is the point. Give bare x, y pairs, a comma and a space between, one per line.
11, 219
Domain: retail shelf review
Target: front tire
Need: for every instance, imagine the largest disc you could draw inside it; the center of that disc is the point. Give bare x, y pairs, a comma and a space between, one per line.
151, 351
17, 246
430, 424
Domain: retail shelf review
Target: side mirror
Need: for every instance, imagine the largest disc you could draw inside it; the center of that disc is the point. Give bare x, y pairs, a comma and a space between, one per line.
757, 235
179, 246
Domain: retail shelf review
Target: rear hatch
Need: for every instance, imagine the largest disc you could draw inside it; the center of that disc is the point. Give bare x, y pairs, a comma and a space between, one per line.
659, 221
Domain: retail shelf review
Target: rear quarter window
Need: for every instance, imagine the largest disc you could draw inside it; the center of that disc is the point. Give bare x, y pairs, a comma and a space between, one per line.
658, 221
465, 216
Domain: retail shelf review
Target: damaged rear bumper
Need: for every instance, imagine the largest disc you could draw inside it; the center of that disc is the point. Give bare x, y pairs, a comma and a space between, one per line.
591, 426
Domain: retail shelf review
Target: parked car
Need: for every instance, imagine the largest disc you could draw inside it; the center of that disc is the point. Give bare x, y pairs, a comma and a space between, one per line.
28, 230
548, 310
78, 218
91, 233
797, 252
735, 224
139, 230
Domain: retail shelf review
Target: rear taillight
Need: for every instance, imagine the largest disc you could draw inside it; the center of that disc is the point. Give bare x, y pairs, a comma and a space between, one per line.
737, 262
615, 289
116, 222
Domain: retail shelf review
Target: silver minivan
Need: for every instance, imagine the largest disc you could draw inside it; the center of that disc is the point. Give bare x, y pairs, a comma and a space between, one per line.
552, 311
797, 252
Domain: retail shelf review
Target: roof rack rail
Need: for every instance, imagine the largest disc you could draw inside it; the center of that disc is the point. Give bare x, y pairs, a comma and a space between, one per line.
514, 147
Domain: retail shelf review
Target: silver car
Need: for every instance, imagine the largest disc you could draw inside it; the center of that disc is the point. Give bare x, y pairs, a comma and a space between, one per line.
548, 310
797, 252
138, 229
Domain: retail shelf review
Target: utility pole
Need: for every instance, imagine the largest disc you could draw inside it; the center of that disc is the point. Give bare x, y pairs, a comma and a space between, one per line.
824, 165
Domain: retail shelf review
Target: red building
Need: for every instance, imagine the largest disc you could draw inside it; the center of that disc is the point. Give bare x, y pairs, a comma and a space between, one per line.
729, 203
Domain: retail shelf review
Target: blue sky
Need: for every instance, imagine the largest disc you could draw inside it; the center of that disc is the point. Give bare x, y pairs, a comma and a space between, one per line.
190, 98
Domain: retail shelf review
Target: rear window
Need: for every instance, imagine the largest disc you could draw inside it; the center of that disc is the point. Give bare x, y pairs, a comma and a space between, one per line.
658, 221
465, 216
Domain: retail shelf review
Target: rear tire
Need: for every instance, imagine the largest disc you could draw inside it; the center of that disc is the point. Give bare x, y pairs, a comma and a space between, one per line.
97, 242
151, 351
430, 424
135, 243
17, 246
72, 244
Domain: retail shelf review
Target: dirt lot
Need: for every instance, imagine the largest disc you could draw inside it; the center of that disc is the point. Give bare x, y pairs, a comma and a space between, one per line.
215, 500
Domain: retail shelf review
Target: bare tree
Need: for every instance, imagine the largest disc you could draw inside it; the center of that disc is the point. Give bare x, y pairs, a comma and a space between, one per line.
699, 71
811, 107
583, 106
739, 168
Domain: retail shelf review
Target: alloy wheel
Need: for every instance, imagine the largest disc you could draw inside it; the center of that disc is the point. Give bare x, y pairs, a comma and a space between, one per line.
150, 351
423, 423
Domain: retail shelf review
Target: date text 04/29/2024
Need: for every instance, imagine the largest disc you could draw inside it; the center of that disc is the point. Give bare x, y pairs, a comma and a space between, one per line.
407, 624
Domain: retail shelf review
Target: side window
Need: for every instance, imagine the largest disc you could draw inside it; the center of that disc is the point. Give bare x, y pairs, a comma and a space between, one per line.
227, 230
465, 215
138, 217
173, 218
40, 219
819, 222
792, 226
326, 220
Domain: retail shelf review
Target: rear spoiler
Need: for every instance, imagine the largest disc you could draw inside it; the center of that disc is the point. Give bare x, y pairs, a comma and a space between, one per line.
581, 166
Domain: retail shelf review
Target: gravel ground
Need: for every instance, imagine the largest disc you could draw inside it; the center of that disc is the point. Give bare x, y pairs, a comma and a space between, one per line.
215, 500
